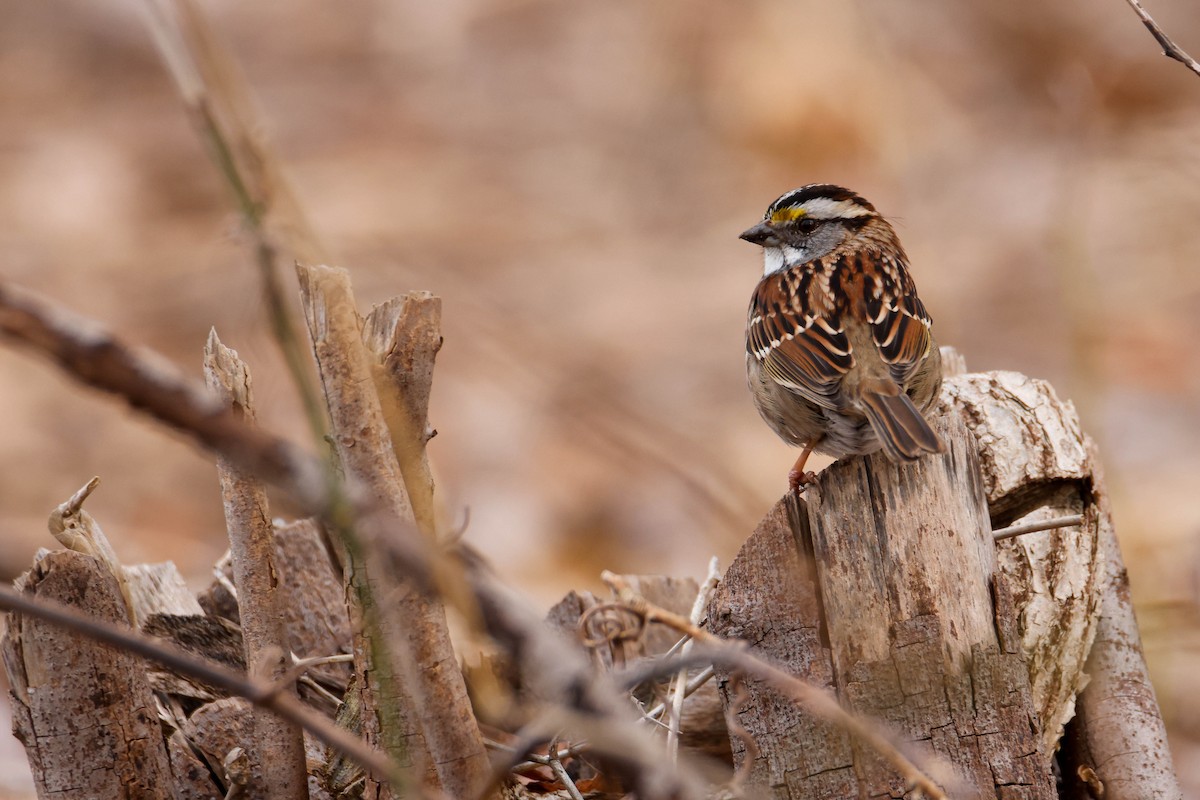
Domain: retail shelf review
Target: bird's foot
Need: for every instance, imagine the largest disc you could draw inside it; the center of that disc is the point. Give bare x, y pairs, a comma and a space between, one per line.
799, 480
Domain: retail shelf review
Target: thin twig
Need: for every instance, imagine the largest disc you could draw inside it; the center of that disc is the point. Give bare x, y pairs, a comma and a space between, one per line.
815, 700
678, 691
739, 697
258, 692
276, 750
1169, 48
302, 665
1034, 527
699, 679
560, 772
536, 760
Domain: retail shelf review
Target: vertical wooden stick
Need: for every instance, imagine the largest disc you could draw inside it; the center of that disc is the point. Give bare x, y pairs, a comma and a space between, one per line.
434, 720
276, 750
905, 565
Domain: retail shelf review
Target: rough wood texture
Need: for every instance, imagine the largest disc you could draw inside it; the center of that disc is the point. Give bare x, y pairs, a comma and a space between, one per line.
276, 748
1119, 734
885, 599
1036, 465
404, 335
769, 598
897, 617
159, 589
310, 595
84, 712
434, 724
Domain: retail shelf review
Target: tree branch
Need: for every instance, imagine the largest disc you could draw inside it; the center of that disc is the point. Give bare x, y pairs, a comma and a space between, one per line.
1169, 48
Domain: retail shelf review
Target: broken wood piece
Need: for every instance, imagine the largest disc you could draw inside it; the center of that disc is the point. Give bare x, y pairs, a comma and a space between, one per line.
84, 711
78, 530
889, 575
1117, 744
420, 710
275, 751
1035, 467
404, 335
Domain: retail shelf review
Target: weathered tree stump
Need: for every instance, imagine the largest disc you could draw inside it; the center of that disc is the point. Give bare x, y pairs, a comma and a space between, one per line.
885, 585
84, 711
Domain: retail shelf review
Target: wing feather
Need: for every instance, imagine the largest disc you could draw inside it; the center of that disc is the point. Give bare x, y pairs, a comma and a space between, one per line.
900, 325
807, 354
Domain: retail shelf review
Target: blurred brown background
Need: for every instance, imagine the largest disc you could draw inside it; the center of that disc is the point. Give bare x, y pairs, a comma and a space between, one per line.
571, 178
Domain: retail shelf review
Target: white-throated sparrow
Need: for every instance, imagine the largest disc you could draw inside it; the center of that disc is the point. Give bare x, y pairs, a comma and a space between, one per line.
839, 349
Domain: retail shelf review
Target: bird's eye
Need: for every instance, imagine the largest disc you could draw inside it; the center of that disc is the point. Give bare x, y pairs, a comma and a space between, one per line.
807, 225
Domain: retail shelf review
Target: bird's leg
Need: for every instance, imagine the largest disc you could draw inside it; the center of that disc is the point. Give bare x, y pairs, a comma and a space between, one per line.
798, 478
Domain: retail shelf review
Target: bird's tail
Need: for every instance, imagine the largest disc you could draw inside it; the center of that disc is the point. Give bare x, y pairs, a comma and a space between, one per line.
904, 433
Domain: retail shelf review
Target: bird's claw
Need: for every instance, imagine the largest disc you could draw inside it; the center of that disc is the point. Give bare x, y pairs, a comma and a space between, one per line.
798, 480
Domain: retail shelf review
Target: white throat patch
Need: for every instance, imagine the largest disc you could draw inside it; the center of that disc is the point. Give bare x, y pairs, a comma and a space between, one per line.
772, 260
777, 258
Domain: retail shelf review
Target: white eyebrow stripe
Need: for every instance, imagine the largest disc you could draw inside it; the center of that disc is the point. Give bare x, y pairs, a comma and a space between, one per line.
825, 208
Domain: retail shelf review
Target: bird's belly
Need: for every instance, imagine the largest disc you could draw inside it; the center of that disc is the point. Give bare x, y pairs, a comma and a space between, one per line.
800, 422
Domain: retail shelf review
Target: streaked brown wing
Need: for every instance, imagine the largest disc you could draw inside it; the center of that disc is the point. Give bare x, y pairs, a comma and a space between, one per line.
808, 355
899, 323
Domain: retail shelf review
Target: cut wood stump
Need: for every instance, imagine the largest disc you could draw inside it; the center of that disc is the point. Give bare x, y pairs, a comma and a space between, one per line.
884, 584
84, 711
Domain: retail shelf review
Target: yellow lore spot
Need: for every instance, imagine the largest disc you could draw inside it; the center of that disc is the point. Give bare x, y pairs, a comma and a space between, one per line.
788, 214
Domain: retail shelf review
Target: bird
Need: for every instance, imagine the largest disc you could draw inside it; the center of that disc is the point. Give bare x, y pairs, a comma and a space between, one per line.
840, 354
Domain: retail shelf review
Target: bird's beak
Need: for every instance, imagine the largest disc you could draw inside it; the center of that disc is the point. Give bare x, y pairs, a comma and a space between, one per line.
761, 234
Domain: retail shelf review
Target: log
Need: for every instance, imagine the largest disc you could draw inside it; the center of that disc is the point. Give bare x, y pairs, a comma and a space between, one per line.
1036, 465
1117, 745
84, 711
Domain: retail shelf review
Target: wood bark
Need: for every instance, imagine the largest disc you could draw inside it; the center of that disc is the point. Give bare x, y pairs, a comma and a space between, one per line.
1036, 465
84, 711
884, 585
1117, 745
879, 586
276, 748
404, 336
433, 725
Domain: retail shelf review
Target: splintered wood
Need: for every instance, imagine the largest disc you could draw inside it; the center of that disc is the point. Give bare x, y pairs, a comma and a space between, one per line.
85, 712
892, 569
884, 585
